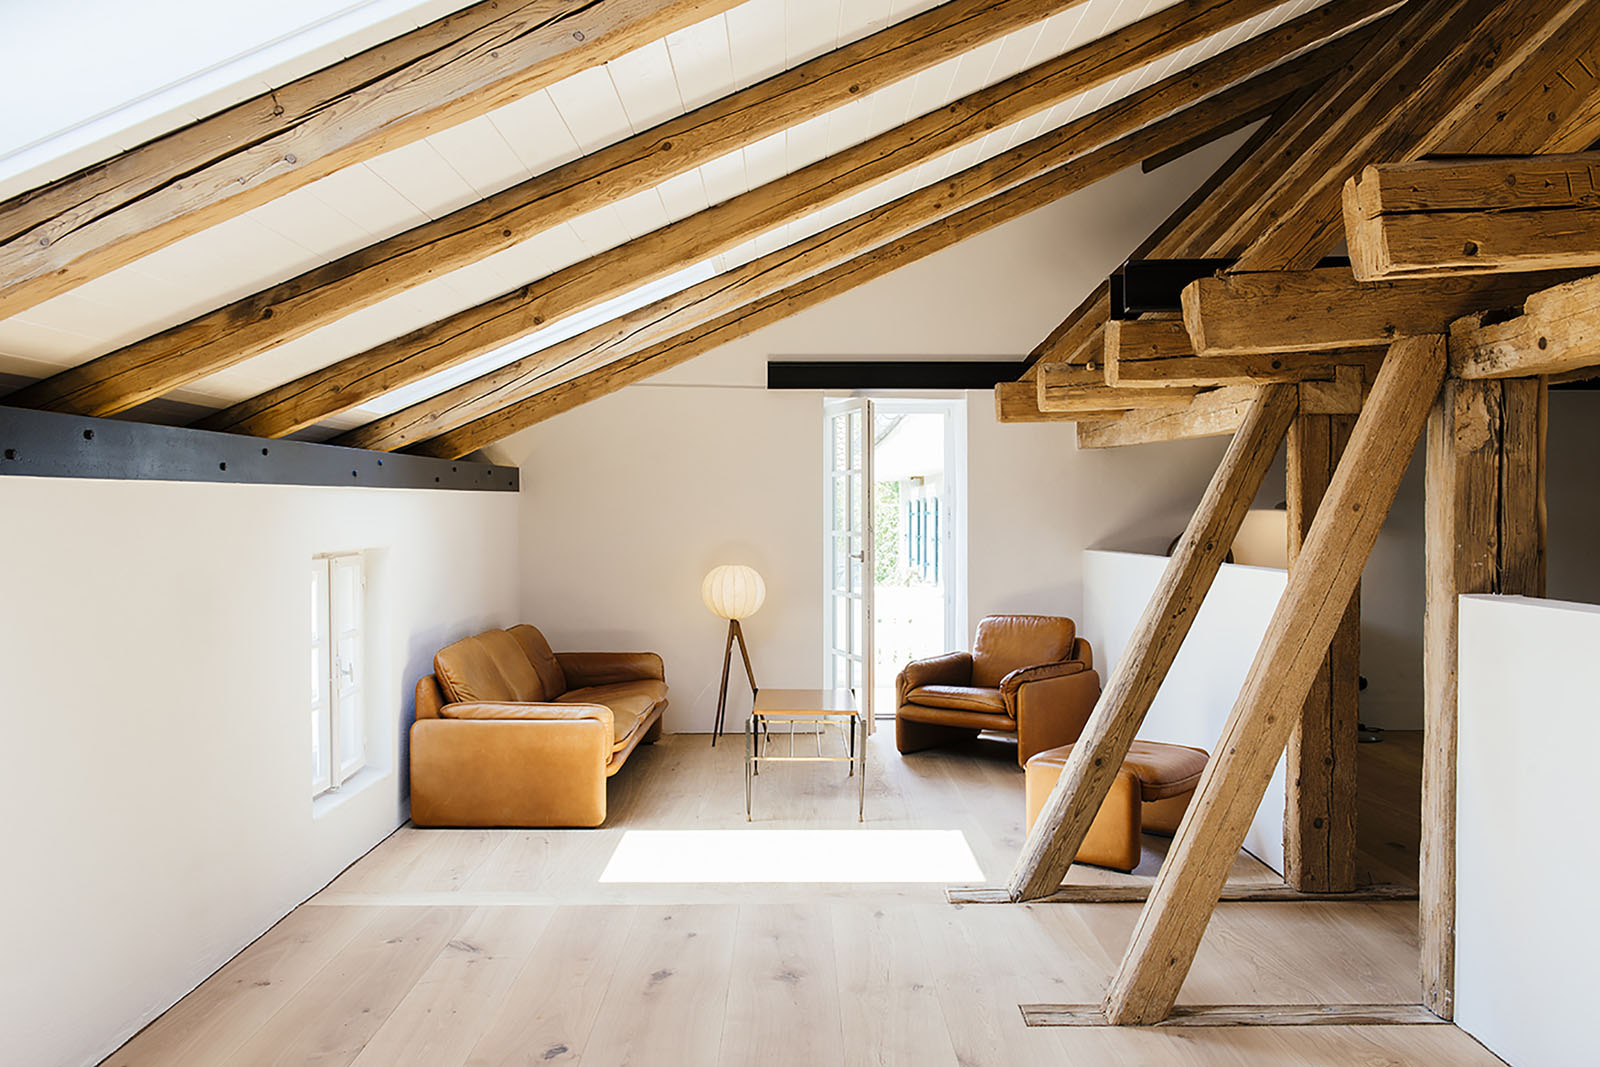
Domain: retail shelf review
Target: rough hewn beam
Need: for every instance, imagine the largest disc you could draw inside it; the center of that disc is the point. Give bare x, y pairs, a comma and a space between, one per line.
1326, 308
1558, 332
1086, 400
1187, 230
1211, 414
1400, 106
665, 251
1319, 815
461, 66
1097, 756
1433, 218
295, 307
589, 351
1162, 372
1485, 534
1296, 642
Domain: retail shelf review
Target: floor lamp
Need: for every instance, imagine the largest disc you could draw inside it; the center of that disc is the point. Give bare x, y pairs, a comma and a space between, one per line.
734, 592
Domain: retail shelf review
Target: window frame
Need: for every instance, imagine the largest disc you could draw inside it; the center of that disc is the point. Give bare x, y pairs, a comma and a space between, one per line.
338, 645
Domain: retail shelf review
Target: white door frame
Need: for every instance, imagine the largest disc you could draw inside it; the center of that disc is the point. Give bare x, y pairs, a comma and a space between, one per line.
953, 519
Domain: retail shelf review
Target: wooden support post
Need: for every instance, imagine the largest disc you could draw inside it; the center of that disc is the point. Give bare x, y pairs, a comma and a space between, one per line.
1293, 650
1319, 818
1097, 757
1485, 534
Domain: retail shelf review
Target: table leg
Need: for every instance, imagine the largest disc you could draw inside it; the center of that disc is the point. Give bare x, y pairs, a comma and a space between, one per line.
749, 762
861, 785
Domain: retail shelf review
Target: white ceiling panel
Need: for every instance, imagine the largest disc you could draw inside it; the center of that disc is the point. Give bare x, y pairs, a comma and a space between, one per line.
427, 179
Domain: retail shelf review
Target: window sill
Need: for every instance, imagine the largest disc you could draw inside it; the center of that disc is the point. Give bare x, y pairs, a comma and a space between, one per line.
359, 782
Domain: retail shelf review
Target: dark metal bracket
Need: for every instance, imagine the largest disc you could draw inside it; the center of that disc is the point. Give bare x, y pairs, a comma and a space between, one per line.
49, 444
891, 374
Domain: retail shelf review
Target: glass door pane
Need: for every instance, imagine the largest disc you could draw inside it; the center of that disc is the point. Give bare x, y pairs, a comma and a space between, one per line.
848, 527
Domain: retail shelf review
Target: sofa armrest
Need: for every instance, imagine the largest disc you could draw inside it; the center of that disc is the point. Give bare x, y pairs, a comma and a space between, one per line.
584, 669
1052, 711
506, 772
484, 709
954, 668
1025, 675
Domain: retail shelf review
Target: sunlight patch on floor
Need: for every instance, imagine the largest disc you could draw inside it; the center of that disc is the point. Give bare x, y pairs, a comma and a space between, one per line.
852, 856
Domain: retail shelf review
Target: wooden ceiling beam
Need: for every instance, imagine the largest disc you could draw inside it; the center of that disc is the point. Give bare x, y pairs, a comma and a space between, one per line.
1326, 308
1558, 332
456, 68
293, 308
1209, 414
1103, 398
1081, 142
1424, 86
1157, 374
119, 379
1447, 218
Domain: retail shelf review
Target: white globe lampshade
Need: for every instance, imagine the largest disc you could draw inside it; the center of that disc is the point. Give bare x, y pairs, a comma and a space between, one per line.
733, 591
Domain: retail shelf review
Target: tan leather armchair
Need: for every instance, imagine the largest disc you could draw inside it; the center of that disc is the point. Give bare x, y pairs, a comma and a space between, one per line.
1029, 675
509, 733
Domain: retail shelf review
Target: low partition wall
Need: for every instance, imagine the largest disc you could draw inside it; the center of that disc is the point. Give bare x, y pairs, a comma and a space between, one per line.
1200, 690
1526, 809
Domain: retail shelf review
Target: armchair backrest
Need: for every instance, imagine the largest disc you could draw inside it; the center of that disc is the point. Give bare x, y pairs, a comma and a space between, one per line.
490, 666
1008, 642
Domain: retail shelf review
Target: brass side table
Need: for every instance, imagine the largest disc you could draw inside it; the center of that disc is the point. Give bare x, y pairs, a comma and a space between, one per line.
811, 707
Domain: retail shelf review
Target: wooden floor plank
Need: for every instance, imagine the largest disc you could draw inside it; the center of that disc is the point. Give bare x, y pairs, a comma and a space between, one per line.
377, 969
549, 1012
206, 1026
439, 1020
666, 999
336, 1013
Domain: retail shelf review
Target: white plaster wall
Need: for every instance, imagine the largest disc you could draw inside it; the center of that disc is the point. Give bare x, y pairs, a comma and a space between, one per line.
1205, 679
628, 501
155, 764
1525, 815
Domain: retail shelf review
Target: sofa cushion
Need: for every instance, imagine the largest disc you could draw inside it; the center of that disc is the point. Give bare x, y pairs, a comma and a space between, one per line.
959, 698
490, 666
1007, 642
630, 704
605, 694
537, 649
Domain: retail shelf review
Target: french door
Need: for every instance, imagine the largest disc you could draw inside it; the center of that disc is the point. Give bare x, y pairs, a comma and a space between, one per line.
849, 562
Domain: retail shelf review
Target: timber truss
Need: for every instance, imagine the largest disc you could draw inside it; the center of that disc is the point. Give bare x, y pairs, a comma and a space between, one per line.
1445, 141
1472, 216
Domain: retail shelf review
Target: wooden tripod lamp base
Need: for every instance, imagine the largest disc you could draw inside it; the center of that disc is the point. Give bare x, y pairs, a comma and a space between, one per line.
735, 633
734, 592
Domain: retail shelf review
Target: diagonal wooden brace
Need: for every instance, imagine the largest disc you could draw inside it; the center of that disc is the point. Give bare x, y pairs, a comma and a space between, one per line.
1320, 585
1099, 752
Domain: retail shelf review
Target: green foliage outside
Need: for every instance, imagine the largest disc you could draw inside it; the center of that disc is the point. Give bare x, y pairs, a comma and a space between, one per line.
886, 536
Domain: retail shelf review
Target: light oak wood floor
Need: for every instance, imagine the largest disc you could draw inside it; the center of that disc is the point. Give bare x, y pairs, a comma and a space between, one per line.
446, 947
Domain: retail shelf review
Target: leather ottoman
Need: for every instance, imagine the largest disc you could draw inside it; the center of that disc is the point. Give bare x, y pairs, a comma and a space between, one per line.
1150, 794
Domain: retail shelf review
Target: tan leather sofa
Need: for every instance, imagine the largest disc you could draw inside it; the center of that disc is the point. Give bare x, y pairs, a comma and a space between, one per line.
1029, 675
509, 733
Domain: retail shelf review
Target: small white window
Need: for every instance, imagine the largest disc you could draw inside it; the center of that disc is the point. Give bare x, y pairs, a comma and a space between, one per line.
338, 720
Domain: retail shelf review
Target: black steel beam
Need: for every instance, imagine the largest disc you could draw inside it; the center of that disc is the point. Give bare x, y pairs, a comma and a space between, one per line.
48, 444
1154, 286
891, 374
